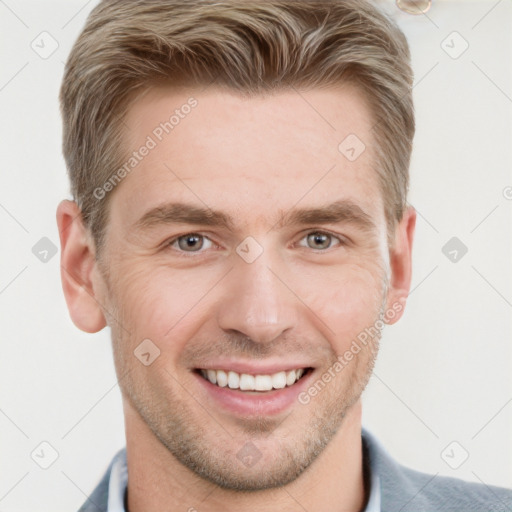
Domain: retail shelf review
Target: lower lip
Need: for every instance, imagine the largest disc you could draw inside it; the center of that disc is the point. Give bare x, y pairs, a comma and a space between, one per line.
245, 404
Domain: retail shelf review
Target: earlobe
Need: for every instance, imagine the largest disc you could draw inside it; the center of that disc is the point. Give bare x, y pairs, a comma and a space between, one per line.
78, 269
400, 257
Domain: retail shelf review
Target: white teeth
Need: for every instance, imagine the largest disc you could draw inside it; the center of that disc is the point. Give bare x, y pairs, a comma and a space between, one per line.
247, 382
291, 377
212, 376
279, 380
263, 383
233, 380
222, 379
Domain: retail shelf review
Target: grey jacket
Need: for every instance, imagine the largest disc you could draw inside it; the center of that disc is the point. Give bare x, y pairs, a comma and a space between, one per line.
402, 489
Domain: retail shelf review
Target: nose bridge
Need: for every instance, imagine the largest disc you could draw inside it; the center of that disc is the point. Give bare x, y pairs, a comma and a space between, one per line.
258, 304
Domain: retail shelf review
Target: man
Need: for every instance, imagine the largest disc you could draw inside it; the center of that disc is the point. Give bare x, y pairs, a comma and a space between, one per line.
240, 173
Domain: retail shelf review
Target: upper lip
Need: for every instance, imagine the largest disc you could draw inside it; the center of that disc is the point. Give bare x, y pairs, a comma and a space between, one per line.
252, 367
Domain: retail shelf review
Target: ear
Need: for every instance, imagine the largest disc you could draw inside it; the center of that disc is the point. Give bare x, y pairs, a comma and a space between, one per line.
79, 269
400, 259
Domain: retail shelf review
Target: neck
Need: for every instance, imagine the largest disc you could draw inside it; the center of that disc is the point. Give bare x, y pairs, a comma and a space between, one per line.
157, 481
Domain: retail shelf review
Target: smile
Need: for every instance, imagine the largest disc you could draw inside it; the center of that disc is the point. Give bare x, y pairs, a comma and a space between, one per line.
254, 390
250, 382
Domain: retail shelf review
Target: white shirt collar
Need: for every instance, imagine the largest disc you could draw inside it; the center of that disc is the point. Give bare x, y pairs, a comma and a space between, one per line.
118, 483
373, 504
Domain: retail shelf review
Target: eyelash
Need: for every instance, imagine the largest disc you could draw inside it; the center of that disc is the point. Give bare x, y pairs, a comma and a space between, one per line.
187, 254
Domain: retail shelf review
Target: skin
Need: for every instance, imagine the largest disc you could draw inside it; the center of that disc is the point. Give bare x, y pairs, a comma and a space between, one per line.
255, 159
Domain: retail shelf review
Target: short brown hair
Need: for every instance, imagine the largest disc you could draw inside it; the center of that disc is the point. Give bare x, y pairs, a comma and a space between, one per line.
248, 46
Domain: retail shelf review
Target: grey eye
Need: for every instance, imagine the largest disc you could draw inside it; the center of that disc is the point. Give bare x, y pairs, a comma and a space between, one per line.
191, 242
319, 240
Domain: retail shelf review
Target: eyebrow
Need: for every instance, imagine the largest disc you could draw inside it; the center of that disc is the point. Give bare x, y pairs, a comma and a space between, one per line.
342, 211
175, 213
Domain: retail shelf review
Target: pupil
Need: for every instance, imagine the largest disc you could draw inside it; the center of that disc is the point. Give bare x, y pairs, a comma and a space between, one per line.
193, 242
320, 240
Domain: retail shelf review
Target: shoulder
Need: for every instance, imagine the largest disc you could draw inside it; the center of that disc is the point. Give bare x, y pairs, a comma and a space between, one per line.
97, 501
416, 491
406, 490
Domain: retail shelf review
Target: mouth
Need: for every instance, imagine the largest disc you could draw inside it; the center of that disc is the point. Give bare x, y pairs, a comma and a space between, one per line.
253, 382
253, 395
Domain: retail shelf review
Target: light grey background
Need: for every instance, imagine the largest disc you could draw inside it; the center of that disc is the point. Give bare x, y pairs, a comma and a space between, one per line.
442, 386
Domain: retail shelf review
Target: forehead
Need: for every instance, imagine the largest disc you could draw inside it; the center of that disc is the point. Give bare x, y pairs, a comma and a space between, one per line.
253, 157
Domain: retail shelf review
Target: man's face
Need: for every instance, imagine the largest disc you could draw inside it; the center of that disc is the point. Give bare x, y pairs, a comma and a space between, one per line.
286, 271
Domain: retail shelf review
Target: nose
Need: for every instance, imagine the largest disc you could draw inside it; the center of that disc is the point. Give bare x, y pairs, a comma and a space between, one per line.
257, 302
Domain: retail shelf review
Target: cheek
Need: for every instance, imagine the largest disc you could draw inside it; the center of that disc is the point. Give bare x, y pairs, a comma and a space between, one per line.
159, 304
347, 303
